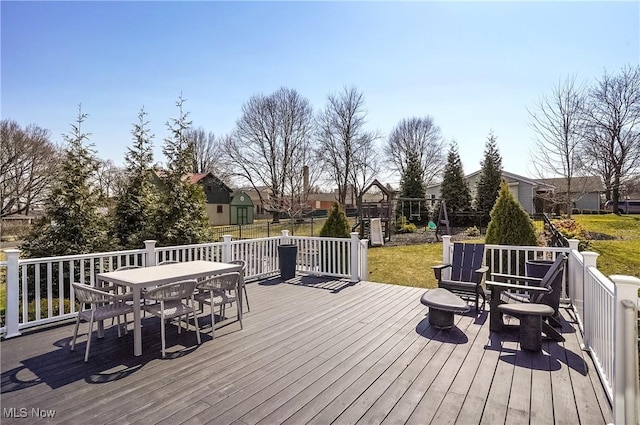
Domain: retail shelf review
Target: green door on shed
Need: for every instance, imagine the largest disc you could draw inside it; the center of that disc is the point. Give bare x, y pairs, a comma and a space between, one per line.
241, 209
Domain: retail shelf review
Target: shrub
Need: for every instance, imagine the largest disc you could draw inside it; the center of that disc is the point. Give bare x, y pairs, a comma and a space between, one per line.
472, 231
403, 226
44, 306
510, 224
571, 229
337, 225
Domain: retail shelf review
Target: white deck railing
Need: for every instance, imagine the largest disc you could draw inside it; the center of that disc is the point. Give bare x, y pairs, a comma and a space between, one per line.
606, 311
38, 289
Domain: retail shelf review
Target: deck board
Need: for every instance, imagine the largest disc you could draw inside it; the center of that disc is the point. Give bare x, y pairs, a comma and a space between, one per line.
312, 350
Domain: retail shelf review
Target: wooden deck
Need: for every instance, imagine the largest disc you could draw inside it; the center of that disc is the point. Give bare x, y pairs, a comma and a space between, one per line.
311, 351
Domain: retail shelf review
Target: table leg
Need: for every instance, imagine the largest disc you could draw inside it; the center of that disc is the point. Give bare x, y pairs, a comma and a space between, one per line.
241, 294
137, 332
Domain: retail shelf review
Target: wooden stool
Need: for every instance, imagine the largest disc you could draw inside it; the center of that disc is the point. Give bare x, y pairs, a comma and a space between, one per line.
530, 316
442, 306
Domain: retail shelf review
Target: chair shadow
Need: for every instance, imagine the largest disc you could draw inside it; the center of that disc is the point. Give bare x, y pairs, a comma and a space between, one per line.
480, 318
110, 359
551, 357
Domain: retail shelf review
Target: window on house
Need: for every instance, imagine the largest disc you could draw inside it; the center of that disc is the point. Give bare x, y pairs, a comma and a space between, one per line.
219, 209
208, 188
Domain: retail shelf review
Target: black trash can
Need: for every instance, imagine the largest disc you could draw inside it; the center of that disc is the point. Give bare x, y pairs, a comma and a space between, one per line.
537, 268
287, 255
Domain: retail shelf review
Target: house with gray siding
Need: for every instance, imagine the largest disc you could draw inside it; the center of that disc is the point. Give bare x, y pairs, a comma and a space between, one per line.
586, 193
522, 188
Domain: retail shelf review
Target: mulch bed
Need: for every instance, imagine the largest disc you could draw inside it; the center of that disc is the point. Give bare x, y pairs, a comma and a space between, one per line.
421, 237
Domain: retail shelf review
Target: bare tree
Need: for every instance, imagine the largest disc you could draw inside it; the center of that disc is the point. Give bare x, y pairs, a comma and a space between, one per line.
27, 163
614, 128
344, 146
558, 120
421, 138
270, 145
106, 178
207, 151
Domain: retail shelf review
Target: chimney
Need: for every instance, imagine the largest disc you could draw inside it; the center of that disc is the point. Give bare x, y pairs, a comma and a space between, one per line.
305, 179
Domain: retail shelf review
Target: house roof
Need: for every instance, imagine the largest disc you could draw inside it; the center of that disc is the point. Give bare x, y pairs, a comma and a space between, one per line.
195, 178
578, 184
506, 174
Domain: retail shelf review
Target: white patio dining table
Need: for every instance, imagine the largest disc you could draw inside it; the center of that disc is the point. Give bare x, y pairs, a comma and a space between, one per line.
144, 277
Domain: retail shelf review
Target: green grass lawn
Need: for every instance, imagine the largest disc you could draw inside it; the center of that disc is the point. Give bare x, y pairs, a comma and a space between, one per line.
405, 265
619, 255
411, 265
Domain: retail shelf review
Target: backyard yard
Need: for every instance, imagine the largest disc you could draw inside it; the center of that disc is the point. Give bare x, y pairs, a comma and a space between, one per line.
615, 238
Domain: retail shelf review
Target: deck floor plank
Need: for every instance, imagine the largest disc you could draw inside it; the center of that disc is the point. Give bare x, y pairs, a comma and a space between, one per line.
225, 357
273, 340
360, 374
337, 360
313, 350
465, 331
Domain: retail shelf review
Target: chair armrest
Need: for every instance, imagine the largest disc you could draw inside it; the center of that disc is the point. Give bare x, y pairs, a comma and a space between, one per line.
437, 270
482, 269
503, 276
502, 285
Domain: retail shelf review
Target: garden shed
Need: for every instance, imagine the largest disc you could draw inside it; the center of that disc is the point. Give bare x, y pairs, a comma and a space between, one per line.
240, 208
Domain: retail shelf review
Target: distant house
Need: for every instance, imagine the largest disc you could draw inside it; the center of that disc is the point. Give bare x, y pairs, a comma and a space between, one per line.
223, 206
522, 188
322, 201
218, 196
586, 193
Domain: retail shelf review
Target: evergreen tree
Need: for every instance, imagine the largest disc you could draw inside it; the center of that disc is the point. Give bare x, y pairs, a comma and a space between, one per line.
182, 217
337, 225
136, 208
490, 177
510, 224
412, 186
455, 189
71, 223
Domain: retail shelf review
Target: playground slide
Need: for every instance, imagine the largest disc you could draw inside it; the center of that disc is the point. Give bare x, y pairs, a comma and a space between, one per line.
377, 238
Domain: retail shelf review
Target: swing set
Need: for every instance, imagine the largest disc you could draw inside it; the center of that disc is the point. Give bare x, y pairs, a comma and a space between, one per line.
416, 214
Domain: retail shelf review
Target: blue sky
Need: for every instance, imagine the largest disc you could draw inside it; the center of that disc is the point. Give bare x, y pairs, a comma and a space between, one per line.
472, 66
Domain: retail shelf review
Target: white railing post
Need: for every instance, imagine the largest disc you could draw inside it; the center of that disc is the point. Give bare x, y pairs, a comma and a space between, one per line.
590, 260
355, 244
226, 248
569, 289
364, 259
285, 237
12, 316
150, 247
625, 354
446, 255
